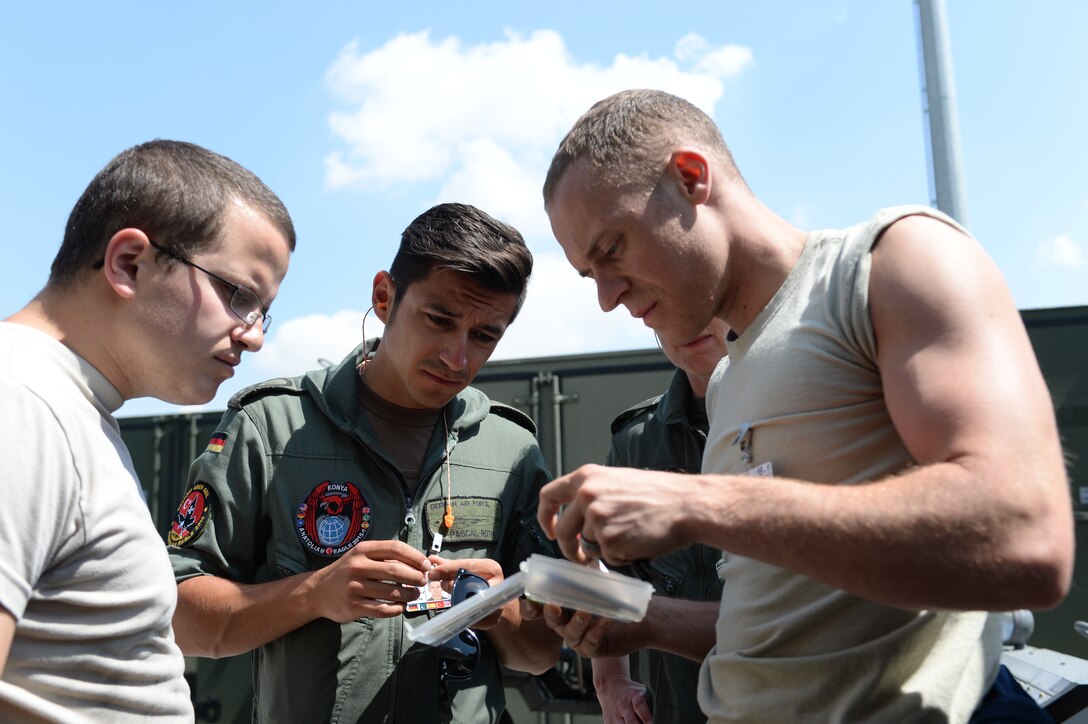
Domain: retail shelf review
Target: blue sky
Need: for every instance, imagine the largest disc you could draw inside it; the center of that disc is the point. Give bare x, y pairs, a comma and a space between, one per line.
360, 116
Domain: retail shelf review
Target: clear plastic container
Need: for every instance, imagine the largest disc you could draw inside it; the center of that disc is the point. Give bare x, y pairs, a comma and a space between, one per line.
544, 580
584, 588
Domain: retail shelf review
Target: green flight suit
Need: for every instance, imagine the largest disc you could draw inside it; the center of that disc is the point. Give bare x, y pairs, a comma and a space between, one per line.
288, 450
659, 434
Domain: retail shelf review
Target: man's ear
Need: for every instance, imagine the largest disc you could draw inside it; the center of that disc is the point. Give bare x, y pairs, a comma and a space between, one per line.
382, 295
691, 170
126, 252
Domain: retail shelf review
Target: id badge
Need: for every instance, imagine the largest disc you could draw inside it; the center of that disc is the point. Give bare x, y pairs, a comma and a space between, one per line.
763, 470
431, 598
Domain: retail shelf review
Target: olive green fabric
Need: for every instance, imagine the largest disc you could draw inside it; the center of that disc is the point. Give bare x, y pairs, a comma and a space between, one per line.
287, 437
659, 434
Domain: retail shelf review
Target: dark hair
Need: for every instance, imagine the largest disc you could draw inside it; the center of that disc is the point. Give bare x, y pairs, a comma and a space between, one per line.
169, 190
462, 238
627, 137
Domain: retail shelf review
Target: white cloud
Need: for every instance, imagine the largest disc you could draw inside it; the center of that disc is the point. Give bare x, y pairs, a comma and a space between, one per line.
1061, 251
490, 178
305, 343
481, 122
566, 319
417, 109
726, 62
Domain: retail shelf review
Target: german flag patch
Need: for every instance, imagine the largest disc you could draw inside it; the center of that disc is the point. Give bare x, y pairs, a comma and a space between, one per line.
217, 442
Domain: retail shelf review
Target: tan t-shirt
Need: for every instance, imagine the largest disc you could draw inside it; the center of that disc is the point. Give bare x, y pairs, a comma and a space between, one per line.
82, 568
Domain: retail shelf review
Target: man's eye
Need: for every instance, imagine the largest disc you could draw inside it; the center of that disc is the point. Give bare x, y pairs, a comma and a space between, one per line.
612, 250
488, 339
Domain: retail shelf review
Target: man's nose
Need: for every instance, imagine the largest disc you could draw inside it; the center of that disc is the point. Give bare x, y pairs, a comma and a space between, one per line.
250, 335
609, 291
454, 353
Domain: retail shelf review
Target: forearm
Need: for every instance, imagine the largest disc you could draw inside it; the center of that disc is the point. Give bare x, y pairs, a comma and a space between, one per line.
679, 626
607, 669
524, 645
216, 617
949, 535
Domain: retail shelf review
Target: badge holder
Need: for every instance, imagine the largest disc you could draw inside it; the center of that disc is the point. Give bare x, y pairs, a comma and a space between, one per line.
544, 580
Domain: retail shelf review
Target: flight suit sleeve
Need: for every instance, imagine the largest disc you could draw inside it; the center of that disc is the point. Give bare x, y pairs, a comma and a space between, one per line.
220, 528
526, 536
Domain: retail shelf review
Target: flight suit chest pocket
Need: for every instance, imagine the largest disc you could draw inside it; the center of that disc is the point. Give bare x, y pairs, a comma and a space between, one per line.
477, 519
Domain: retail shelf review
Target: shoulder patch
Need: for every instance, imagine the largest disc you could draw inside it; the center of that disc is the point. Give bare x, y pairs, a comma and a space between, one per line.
191, 516
634, 411
514, 415
278, 386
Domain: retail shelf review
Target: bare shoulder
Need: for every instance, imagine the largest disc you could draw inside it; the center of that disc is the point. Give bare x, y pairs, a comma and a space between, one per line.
926, 272
952, 348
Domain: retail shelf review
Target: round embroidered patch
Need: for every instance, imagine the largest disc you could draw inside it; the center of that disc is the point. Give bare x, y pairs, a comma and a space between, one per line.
191, 517
333, 518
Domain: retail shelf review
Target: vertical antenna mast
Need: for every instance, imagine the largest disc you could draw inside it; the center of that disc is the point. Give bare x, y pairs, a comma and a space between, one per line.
946, 164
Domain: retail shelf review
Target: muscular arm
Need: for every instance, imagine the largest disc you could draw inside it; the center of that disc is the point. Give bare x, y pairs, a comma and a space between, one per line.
983, 522
217, 617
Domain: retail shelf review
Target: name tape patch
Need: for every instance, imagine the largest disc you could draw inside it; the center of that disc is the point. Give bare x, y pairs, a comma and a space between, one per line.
476, 519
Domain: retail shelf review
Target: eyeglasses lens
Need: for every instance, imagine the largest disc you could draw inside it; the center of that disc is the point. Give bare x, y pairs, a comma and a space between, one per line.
248, 308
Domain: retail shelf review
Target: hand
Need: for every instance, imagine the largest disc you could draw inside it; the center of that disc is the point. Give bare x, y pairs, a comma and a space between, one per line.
445, 570
629, 514
623, 701
372, 580
584, 633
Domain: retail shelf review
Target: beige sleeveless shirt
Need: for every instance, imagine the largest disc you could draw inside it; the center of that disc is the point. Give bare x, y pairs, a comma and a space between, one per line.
803, 392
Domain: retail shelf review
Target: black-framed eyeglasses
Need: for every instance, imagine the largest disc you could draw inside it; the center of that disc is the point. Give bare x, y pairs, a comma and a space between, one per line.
459, 656
244, 302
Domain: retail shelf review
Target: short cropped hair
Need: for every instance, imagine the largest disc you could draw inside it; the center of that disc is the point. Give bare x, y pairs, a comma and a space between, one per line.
173, 191
626, 137
462, 238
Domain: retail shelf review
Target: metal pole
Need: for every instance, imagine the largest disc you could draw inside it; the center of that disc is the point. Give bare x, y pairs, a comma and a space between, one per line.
940, 95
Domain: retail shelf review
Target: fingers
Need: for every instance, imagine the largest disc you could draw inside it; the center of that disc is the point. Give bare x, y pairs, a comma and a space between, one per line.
392, 550
444, 569
531, 610
580, 630
553, 497
367, 599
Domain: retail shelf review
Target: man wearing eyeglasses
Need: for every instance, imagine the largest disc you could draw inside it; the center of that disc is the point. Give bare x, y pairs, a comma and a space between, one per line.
169, 262
325, 502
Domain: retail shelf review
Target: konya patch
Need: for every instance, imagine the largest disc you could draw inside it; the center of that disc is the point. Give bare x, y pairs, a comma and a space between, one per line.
215, 445
474, 519
191, 517
332, 519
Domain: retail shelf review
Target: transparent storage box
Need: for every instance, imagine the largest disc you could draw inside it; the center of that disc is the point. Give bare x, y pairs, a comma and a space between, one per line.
586, 588
544, 580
